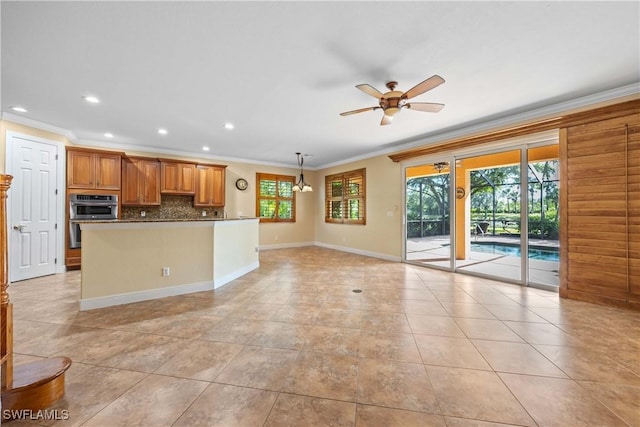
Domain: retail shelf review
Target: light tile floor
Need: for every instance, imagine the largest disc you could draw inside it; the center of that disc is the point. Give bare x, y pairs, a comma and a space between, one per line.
291, 344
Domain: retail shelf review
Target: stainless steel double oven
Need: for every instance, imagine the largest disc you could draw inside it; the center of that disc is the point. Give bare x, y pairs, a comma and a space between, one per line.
89, 207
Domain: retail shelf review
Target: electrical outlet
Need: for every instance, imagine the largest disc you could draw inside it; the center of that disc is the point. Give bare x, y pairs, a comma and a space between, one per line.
204, 213
165, 271
143, 214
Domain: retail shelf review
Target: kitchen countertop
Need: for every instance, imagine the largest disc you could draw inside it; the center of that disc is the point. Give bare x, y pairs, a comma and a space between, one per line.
136, 220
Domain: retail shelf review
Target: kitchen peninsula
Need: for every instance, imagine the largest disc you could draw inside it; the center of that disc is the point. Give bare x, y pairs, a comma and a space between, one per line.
125, 261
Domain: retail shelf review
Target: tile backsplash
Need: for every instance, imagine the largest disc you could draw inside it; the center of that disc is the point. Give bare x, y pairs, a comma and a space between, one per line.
172, 207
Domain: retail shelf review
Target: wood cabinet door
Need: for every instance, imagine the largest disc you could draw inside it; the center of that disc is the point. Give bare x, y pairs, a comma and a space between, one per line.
150, 182
187, 178
80, 170
217, 186
107, 171
130, 183
178, 178
203, 179
169, 177
209, 186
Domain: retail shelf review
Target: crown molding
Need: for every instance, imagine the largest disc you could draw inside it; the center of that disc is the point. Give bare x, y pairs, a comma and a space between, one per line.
179, 153
39, 125
609, 96
558, 122
561, 108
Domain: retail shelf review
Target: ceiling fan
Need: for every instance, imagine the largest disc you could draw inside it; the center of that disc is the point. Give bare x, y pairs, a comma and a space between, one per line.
393, 101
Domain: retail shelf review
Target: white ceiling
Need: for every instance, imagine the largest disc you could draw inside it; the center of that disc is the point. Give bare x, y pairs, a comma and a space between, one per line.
282, 72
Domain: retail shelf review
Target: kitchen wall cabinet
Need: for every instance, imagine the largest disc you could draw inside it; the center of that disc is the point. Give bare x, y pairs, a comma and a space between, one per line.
91, 169
210, 182
178, 178
140, 182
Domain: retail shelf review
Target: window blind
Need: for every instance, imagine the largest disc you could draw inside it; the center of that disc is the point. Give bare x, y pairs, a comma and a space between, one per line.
275, 198
345, 197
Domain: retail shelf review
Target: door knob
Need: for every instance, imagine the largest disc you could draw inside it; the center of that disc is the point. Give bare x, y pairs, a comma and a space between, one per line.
19, 228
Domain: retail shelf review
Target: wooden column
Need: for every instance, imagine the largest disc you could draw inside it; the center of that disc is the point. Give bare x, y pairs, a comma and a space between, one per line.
6, 308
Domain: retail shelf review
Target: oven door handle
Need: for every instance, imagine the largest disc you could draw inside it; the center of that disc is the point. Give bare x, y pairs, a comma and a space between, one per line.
93, 204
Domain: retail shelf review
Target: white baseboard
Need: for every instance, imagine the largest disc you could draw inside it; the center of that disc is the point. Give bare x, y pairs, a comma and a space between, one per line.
234, 275
359, 252
286, 245
119, 299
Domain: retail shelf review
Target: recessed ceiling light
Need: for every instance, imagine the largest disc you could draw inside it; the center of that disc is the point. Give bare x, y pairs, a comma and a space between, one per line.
19, 109
205, 148
228, 126
92, 99
108, 135
162, 131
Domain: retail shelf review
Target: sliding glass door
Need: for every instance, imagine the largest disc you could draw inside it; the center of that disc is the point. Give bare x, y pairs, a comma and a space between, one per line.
491, 245
500, 220
544, 220
428, 214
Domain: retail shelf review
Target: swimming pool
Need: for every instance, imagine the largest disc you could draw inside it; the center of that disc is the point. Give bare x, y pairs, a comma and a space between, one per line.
545, 254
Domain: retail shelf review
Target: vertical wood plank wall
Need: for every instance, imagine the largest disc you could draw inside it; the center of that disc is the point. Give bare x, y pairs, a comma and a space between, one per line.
600, 206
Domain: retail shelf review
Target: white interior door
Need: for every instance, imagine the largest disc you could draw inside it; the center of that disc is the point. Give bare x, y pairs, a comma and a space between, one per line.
32, 196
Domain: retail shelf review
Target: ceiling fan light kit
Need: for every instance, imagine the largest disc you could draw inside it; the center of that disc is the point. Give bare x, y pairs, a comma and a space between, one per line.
393, 101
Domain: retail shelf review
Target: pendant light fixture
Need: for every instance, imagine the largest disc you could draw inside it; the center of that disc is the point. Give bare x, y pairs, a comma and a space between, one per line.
301, 185
440, 166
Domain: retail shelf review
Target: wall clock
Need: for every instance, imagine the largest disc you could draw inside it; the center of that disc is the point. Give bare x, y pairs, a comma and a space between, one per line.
459, 193
242, 184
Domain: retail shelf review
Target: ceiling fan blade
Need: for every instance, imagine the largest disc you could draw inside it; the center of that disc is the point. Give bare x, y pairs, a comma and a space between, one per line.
420, 88
429, 107
370, 90
361, 110
386, 120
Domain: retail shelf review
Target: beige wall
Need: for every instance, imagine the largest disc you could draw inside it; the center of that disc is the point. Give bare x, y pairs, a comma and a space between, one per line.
382, 234
240, 203
235, 247
122, 260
